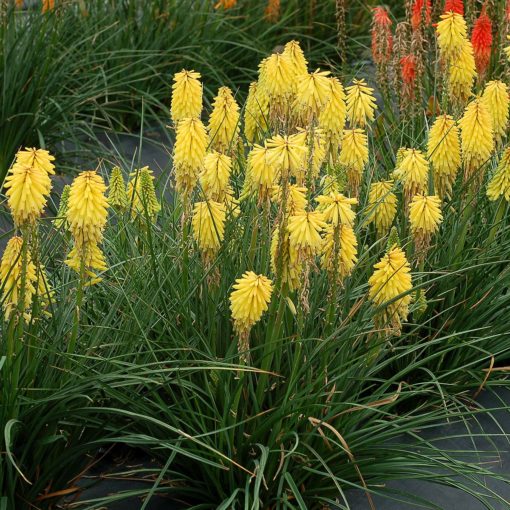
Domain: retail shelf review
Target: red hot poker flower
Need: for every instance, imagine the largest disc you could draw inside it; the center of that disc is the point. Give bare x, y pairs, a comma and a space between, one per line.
481, 38
422, 9
382, 40
456, 6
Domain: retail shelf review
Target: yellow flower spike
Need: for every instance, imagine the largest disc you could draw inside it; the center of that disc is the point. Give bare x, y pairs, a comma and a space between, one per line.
142, 194
332, 117
304, 232
337, 209
215, 176
476, 136
209, 226
391, 279
92, 258
189, 154
462, 74
451, 34
288, 153
11, 279
382, 206
496, 99
296, 198
28, 188
261, 173
413, 171
354, 156
276, 77
425, 214
318, 152
361, 104
499, 184
39, 159
87, 208
249, 299
117, 195
312, 93
346, 252
425, 217
296, 57
224, 121
186, 96
256, 114
443, 151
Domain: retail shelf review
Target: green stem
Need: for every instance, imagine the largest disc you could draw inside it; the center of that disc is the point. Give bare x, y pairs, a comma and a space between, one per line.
79, 300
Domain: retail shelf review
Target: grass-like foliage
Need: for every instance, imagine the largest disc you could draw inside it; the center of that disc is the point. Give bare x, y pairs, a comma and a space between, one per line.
132, 317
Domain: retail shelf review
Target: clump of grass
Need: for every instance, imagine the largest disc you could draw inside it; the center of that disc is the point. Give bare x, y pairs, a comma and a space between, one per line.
321, 378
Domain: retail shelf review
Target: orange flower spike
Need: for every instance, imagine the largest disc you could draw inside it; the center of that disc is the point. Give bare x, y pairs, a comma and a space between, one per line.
422, 10
408, 70
456, 6
481, 39
272, 11
48, 5
225, 4
382, 39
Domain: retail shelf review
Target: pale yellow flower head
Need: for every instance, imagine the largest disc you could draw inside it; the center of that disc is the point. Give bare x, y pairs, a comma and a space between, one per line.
296, 198
224, 121
413, 171
337, 209
260, 172
451, 34
186, 96
215, 175
499, 184
288, 153
11, 279
39, 159
28, 188
477, 136
296, 57
91, 258
354, 152
361, 104
382, 206
354, 157
496, 99
256, 114
209, 225
425, 214
87, 208
333, 116
304, 232
391, 279
189, 154
462, 74
276, 77
312, 93
339, 251
443, 151
249, 300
